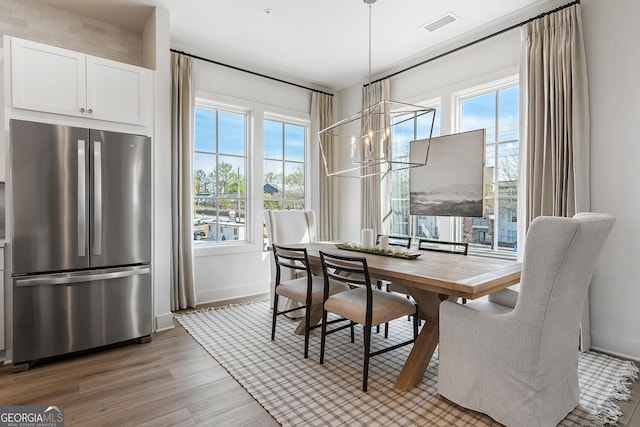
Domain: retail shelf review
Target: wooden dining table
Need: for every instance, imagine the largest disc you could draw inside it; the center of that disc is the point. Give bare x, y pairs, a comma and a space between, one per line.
430, 279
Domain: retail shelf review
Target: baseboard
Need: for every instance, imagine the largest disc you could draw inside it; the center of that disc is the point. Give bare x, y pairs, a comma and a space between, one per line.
240, 300
230, 293
613, 353
164, 322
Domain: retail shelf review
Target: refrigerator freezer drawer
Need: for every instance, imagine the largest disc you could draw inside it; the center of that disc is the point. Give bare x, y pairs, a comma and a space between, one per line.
62, 313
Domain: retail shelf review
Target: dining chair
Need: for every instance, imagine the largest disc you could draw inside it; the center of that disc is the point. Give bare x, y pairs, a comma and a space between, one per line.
306, 289
402, 242
520, 365
285, 227
362, 304
461, 248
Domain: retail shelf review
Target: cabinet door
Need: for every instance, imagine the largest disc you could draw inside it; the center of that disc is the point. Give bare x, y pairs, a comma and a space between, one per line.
116, 92
47, 78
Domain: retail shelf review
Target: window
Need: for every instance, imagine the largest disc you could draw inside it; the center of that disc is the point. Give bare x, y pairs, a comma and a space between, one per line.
495, 110
219, 174
396, 218
284, 167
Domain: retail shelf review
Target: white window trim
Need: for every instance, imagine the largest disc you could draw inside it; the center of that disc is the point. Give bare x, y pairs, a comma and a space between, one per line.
306, 123
232, 246
457, 98
254, 155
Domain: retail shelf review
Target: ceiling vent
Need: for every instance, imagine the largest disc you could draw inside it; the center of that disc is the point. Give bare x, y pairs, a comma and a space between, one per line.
440, 22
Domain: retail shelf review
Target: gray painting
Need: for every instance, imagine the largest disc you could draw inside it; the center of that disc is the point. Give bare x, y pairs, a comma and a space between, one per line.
450, 184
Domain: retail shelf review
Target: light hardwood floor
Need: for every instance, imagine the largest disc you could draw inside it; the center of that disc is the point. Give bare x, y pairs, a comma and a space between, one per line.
171, 381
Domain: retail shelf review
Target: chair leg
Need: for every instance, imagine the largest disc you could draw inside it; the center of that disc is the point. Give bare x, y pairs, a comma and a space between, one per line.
408, 317
307, 320
416, 321
353, 338
386, 330
367, 348
323, 335
275, 315
379, 286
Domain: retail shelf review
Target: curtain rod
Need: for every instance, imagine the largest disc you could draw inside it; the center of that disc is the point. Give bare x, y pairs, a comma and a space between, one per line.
248, 71
476, 41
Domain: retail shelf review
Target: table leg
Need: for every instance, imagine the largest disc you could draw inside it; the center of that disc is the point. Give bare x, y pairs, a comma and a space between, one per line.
316, 317
425, 345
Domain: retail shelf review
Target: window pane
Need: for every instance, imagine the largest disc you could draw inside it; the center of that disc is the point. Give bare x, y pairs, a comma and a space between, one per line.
284, 171
508, 166
205, 129
479, 112
508, 119
427, 227
272, 139
507, 223
294, 182
231, 129
490, 171
232, 219
204, 181
271, 204
203, 218
403, 133
274, 175
294, 142
230, 174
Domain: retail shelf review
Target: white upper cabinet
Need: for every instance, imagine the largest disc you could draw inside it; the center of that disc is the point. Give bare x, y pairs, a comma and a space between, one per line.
55, 80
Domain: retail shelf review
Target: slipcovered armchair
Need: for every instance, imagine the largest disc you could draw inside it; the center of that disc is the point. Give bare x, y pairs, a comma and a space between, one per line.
283, 228
520, 365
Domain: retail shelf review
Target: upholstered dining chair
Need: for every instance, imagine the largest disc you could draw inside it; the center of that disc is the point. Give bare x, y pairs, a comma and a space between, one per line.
285, 227
520, 365
363, 304
307, 289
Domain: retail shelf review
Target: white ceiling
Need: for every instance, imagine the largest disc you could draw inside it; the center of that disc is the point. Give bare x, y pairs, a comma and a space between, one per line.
321, 43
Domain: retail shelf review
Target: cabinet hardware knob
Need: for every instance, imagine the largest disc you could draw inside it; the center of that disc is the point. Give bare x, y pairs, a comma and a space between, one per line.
82, 110
90, 111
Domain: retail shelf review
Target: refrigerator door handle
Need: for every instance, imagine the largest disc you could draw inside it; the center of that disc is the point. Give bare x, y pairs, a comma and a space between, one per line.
97, 199
82, 202
67, 279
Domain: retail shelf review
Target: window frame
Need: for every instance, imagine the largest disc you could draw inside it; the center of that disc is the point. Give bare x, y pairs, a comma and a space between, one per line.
306, 125
205, 248
457, 99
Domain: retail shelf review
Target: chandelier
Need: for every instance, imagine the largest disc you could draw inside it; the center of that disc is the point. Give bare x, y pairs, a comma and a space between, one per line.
368, 137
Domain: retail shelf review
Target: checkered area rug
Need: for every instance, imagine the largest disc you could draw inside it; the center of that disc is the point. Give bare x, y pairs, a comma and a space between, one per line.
301, 392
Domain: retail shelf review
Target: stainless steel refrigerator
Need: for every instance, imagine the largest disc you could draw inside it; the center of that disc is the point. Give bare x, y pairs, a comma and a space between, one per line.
80, 203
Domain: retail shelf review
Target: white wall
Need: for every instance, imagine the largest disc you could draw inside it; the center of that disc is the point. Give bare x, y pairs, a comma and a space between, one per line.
157, 55
611, 38
611, 43
238, 270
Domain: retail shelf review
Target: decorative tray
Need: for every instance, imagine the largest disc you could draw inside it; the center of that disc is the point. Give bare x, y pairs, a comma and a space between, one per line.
377, 251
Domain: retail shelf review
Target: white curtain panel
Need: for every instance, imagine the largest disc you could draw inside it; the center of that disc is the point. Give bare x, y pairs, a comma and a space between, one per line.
183, 292
370, 186
554, 124
321, 118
